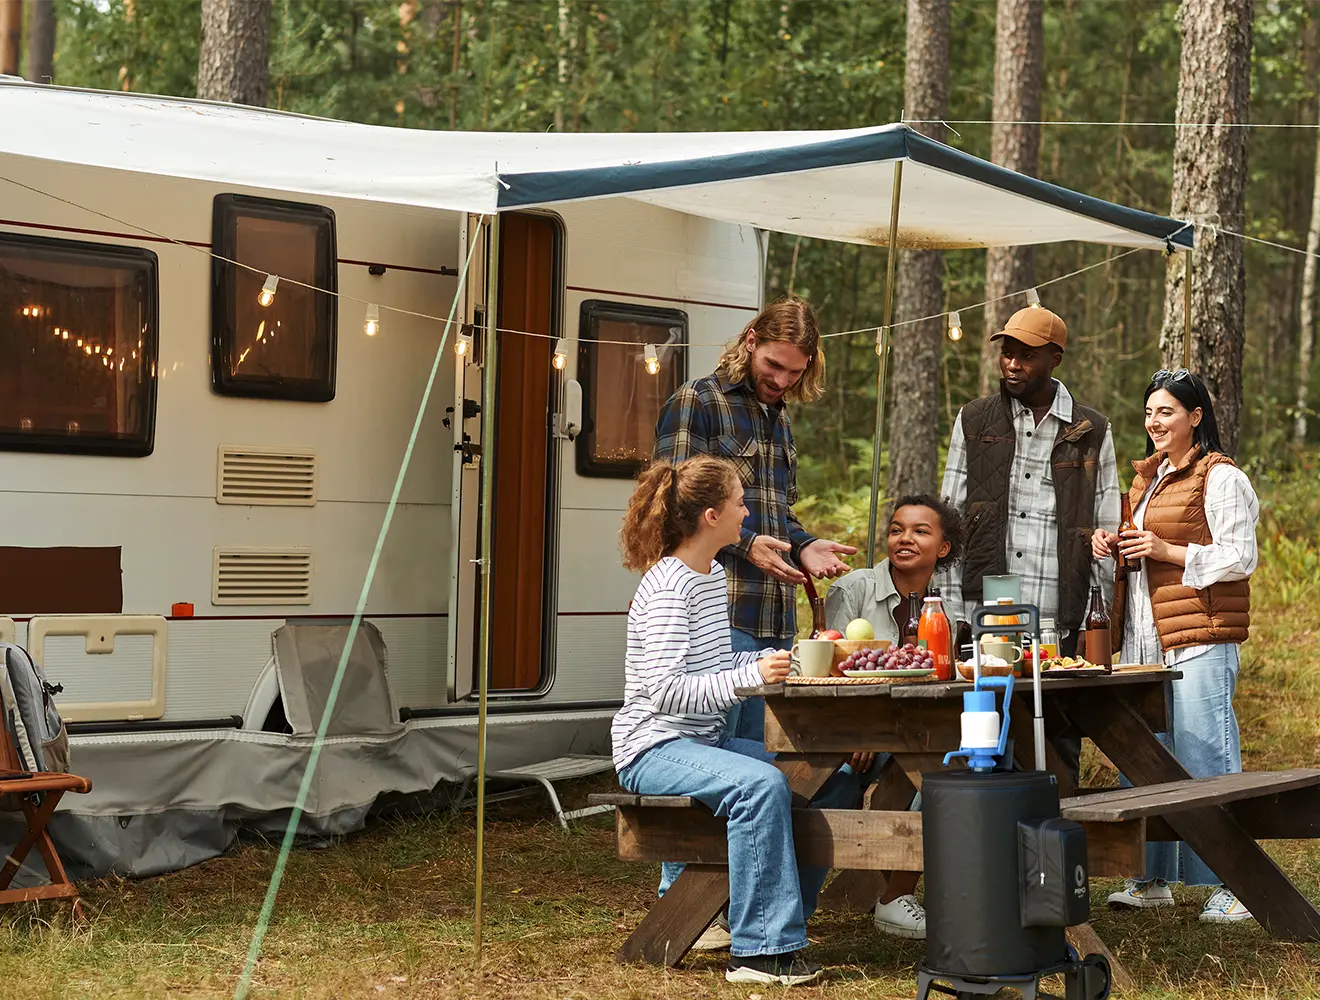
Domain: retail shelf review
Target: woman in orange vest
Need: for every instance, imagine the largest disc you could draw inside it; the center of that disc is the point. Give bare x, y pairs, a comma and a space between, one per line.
1187, 604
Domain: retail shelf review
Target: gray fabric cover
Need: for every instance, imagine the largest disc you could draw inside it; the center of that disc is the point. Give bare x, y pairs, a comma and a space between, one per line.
166, 800
306, 659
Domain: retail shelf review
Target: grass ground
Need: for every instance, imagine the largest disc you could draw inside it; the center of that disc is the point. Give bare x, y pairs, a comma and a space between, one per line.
389, 912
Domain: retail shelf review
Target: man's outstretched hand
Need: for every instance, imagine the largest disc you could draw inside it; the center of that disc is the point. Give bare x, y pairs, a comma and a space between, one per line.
765, 555
821, 559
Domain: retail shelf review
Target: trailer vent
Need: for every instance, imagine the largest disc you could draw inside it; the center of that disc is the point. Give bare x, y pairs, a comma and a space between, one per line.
266, 476
252, 575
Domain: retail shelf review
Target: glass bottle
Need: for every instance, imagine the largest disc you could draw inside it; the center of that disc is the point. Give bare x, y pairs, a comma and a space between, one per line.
912, 626
1126, 523
934, 633
1098, 651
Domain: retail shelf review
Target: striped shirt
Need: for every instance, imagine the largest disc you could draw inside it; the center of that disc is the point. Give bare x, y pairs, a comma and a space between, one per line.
680, 669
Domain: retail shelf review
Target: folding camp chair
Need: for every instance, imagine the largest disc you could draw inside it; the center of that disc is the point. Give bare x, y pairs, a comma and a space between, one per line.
51, 786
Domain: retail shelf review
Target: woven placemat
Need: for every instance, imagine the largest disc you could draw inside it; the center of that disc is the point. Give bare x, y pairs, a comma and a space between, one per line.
860, 680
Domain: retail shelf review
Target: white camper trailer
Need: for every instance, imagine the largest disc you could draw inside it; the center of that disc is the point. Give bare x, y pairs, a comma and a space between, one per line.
199, 454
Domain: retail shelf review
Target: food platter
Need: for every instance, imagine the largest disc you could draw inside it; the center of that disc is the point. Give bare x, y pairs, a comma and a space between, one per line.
913, 672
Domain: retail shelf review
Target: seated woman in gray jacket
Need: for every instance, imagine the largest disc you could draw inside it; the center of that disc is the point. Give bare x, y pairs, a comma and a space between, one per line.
924, 532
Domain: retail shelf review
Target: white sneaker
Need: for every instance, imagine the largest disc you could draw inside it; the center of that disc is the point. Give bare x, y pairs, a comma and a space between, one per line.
1224, 908
1143, 895
903, 917
716, 937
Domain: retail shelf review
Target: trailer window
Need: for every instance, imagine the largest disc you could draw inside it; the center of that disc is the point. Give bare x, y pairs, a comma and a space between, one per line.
621, 399
77, 346
285, 349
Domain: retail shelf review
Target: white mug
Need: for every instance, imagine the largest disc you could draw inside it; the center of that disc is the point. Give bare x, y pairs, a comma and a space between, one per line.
813, 657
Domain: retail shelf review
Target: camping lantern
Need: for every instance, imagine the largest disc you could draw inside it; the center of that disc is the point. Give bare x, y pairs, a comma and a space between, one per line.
1005, 873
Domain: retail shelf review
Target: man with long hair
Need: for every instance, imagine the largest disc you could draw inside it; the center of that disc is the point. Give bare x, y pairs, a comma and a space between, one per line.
739, 413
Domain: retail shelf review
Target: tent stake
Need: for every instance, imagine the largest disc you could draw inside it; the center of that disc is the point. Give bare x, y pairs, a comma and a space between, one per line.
491, 352
1187, 311
882, 349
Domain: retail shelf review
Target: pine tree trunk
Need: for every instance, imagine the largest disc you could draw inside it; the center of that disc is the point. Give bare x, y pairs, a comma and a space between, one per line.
1306, 349
41, 41
914, 429
1209, 188
1019, 51
232, 65
11, 36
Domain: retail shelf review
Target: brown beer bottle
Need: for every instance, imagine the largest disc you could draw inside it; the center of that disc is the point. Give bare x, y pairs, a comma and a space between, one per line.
913, 624
1127, 524
1098, 648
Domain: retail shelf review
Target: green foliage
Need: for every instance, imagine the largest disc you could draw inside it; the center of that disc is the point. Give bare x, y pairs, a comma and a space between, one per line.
666, 65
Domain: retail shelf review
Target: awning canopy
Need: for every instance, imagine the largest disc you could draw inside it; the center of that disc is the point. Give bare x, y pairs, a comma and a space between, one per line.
834, 185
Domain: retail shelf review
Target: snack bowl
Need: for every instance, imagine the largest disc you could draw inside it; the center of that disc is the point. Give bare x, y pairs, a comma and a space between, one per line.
995, 668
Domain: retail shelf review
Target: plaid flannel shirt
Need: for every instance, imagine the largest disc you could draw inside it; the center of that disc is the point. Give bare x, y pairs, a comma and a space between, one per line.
1031, 539
712, 416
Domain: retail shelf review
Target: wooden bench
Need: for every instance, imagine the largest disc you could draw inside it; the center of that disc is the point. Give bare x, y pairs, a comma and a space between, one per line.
1268, 805
679, 828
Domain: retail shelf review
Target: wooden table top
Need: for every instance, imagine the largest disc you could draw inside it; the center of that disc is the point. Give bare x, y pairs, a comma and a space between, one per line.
954, 689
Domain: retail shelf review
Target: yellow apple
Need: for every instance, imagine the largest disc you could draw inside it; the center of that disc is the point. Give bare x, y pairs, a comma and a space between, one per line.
859, 630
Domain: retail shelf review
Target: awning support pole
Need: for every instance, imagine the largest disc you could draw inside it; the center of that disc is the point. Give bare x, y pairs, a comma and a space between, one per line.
883, 338
491, 350
1187, 311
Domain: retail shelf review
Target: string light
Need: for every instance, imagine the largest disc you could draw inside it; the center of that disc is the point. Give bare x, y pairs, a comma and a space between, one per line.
561, 354
879, 341
1033, 298
955, 327
463, 344
371, 326
652, 360
267, 294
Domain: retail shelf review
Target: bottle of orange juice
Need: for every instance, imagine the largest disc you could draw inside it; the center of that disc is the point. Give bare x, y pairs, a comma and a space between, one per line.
933, 632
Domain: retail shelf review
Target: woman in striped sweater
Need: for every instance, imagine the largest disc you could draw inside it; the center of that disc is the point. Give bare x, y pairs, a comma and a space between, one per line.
680, 676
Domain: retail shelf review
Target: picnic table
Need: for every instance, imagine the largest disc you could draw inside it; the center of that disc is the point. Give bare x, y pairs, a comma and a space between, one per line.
814, 728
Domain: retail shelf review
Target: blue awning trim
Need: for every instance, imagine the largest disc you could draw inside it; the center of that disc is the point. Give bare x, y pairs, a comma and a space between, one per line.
596, 182
936, 154
544, 187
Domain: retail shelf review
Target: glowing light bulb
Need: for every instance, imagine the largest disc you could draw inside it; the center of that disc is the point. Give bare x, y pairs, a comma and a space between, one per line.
64, 335
955, 327
109, 351
105, 361
97, 348
80, 341
371, 326
27, 311
463, 344
87, 349
1033, 298
561, 354
652, 360
267, 294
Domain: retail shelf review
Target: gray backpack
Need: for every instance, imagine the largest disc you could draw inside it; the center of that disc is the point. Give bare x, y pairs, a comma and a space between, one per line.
28, 713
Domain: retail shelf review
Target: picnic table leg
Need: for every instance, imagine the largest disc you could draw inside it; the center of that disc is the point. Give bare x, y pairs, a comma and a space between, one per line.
1121, 733
854, 891
671, 927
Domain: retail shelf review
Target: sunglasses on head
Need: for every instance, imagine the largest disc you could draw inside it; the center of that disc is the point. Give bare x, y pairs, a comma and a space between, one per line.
1164, 375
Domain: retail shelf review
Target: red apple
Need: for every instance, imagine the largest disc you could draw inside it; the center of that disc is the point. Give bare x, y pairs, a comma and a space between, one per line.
830, 633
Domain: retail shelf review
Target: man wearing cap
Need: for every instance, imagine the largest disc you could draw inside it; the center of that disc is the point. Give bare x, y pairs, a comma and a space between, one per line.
1033, 473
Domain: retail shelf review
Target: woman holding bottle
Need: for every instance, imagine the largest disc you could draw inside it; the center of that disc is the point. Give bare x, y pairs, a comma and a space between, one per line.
924, 532
1190, 554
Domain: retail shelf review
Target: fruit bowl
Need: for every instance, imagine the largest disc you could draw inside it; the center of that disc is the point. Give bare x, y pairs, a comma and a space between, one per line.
987, 670
843, 648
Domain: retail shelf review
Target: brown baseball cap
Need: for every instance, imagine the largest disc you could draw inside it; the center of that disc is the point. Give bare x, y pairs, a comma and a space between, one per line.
1035, 326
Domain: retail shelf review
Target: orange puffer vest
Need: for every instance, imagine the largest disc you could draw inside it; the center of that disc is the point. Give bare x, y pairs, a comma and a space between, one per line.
1176, 513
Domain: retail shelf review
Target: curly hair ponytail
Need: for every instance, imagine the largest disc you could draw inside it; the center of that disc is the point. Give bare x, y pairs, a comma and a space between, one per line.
666, 507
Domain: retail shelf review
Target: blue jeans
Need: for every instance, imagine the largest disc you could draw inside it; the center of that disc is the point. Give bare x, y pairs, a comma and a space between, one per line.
769, 899
1205, 741
746, 721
